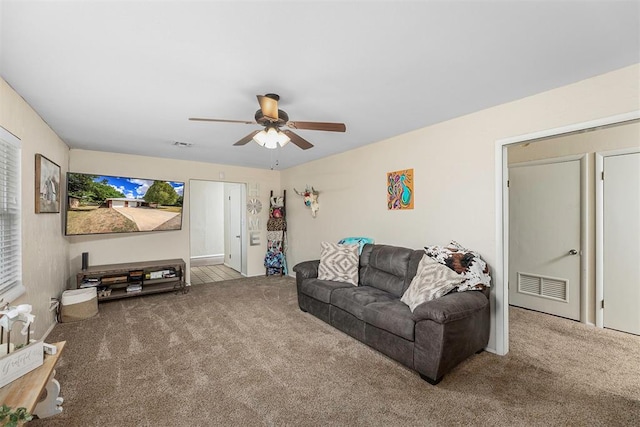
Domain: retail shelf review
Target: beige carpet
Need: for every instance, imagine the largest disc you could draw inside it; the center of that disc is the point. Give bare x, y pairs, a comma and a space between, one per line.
240, 352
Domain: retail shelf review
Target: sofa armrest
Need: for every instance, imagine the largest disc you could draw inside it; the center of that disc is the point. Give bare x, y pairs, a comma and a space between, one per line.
307, 269
451, 307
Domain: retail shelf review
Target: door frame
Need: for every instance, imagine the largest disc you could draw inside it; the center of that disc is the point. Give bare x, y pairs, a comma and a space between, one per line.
585, 252
501, 269
599, 186
243, 219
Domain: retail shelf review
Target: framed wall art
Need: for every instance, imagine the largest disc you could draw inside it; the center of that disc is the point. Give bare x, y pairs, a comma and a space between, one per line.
400, 189
47, 185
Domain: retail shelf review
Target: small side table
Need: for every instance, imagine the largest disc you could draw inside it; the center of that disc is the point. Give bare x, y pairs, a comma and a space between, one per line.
38, 391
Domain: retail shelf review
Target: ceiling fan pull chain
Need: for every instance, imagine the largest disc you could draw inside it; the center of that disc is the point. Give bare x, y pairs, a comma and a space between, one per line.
277, 162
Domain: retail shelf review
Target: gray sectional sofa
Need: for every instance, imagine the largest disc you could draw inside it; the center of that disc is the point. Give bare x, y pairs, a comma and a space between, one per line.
432, 340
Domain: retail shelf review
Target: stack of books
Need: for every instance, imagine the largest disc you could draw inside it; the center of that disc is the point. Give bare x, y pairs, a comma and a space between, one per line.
112, 280
136, 275
161, 274
90, 282
134, 287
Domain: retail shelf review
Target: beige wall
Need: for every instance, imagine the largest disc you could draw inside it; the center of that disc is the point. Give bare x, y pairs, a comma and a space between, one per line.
588, 143
45, 251
117, 248
454, 170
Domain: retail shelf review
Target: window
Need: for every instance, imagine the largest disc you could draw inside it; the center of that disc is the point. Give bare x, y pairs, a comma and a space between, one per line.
10, 238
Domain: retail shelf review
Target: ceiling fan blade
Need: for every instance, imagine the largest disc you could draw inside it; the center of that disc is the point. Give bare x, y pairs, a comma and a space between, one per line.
298, 140
246, 122
329, 127
247, 138
269, 106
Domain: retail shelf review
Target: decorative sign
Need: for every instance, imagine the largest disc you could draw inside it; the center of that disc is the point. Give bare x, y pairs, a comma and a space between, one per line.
20, 362
400, 189
254, 189
254, 231
254, 206
254, 238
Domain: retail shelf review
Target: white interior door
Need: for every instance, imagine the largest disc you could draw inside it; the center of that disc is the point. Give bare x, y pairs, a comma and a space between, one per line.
621, 242
544, 236
235, 228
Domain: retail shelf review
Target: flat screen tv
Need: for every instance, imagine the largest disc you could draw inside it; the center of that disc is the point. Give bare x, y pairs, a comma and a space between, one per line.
101, 204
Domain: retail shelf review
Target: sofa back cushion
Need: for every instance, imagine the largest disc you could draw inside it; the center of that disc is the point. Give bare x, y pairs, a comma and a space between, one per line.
387, 268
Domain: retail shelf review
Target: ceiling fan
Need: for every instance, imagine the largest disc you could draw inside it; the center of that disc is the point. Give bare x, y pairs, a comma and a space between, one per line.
273, 119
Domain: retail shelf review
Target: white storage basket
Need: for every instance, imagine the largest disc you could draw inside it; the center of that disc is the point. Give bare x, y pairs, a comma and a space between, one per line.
78, 304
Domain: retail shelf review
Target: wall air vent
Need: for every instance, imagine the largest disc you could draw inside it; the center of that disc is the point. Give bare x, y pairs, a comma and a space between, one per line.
545, 287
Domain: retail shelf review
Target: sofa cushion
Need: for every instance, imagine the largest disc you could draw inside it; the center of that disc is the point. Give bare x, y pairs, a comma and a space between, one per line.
354, 299
321, 289
385, 267
432, 281
392, 316
339, 263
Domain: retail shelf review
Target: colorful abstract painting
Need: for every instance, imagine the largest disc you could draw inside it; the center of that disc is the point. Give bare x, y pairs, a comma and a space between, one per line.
400, 189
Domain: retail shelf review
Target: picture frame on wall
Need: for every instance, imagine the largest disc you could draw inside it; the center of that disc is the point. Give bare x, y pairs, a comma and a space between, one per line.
47, 185
400, 190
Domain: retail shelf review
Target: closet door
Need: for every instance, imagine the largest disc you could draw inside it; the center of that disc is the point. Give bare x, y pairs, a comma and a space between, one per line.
621, 242
544, 236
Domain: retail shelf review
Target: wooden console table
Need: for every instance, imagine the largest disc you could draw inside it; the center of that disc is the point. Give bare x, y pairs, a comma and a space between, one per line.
29, 390
148, 274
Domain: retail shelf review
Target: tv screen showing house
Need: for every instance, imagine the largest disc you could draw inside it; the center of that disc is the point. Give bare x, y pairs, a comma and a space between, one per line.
101, 204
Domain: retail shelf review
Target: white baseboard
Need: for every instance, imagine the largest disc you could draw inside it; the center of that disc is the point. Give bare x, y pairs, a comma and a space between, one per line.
491, 350
207, 256
48, 331
199, 261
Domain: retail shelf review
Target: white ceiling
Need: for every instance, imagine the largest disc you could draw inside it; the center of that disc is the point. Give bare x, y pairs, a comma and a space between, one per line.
125, 76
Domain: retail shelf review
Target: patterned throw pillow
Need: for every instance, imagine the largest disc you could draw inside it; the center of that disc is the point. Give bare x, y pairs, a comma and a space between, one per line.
432, 281
339, 263
462, 261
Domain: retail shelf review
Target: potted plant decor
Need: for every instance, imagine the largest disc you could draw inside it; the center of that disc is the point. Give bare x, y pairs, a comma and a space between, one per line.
12, 418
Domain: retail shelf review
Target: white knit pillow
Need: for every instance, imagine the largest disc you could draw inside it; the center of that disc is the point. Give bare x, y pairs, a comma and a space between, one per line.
339, 263
431, 281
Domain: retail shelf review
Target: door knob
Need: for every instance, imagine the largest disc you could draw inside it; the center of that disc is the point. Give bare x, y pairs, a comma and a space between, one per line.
238, 236
573, 252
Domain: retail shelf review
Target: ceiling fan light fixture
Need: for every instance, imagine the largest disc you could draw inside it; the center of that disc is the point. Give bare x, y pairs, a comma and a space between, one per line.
271, 138
260, 138
272, 119
283, 139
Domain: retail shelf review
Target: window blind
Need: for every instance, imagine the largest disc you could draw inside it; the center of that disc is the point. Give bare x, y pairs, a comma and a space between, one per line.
10, 237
